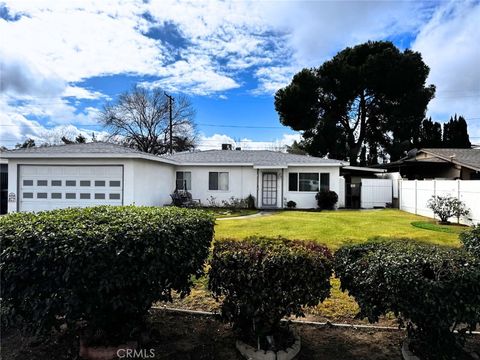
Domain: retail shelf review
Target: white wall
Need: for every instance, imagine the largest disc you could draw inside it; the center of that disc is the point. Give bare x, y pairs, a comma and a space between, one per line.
242, 182
414, 195
306, 199
375, 193
153, 182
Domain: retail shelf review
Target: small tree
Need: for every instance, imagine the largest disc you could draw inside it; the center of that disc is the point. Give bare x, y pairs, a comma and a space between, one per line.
446, 207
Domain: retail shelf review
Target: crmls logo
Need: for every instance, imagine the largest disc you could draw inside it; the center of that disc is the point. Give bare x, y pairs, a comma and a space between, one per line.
136, 354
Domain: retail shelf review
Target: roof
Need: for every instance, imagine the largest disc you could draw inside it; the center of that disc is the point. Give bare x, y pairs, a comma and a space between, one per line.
88, 150
469, 158
255, 158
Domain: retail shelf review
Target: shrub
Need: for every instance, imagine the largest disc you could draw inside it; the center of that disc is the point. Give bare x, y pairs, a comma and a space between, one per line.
471, 240
431, 289
101, 266
446, 207
250, 200
291, 204
262, 280
326, 199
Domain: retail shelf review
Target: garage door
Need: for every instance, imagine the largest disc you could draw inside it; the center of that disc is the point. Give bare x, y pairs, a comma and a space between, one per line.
55, 187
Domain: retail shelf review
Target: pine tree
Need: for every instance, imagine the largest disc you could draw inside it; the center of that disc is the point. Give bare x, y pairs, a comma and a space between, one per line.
455, 133
430, 134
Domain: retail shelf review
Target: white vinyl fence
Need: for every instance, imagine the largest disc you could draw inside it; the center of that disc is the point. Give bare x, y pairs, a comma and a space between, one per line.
414, 194
376, 193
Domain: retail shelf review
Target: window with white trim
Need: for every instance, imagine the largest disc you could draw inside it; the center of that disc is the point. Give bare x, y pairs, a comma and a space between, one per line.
184, 180
218, 181
303, 182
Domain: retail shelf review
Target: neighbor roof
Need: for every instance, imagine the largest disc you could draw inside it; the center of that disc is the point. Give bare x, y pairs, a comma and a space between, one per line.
256, 158
465, 157
89, 150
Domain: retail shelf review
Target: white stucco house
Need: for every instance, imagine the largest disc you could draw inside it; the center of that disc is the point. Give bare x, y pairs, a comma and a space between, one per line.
44, 178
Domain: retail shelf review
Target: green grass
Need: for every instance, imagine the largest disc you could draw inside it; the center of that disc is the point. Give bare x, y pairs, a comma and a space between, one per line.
221, 213
429, 225
334, 228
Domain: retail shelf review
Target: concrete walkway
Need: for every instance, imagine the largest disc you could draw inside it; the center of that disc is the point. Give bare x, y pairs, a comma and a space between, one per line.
259, 214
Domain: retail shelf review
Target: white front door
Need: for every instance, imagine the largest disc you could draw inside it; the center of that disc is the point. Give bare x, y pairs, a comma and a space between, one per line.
269, 189
60, 186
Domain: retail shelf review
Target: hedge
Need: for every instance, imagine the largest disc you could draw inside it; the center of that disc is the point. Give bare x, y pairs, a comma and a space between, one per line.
471, 240
99, 266
262, 280
431, 289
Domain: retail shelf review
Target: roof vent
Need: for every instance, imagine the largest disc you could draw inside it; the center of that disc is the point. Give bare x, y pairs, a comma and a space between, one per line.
227, 147
238, 148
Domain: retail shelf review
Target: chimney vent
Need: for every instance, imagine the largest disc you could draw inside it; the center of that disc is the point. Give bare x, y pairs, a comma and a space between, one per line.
238, 148
227, 146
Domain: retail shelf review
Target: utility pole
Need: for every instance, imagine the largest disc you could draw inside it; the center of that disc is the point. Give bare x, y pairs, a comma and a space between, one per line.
170, 102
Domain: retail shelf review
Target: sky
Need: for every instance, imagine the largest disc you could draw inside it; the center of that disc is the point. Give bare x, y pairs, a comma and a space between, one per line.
61, 61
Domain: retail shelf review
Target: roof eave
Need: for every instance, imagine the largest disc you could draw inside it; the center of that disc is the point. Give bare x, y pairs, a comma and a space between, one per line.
452, 160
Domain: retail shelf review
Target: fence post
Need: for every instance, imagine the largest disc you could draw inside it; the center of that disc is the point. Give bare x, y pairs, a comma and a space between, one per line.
416, 197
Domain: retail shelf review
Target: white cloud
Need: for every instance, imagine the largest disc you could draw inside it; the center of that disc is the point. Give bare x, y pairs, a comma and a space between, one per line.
82, 93
449, 45
214, 142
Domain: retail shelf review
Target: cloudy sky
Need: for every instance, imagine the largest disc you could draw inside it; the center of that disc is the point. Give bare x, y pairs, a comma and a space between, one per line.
60, 61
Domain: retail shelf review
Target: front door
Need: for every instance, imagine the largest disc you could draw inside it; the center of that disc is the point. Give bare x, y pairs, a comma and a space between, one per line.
269, 189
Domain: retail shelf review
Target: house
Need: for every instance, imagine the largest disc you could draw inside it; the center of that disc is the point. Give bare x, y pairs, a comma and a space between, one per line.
454, 164
44, 178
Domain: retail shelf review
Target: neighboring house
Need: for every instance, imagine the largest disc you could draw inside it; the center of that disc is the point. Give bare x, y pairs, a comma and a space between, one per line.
97, 173
453, 164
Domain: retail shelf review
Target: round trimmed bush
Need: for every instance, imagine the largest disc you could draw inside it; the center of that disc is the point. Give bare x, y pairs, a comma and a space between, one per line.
100, 268
433, 290
262, 280
326, 199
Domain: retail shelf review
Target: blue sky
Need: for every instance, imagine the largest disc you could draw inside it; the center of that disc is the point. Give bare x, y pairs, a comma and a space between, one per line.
61, 61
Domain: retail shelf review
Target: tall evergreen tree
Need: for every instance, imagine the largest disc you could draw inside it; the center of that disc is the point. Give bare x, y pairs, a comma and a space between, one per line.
455, 133
430, 134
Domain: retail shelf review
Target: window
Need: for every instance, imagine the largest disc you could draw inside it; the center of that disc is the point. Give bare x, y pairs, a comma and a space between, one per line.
41, 195
70, 196
99, 183
99, 196
303, 182
84, 182
71, 183
28, 195
114, 196
85, 196
27, 182
56, 182
42, 183
324, 181
218, 181
184, 180
293, 182
56, 195
114, 183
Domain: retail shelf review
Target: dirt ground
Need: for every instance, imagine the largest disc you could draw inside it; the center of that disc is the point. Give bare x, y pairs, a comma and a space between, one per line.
197, 337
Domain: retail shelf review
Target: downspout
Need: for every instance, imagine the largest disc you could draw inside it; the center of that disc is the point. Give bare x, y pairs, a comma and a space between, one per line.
257, 189
283, 178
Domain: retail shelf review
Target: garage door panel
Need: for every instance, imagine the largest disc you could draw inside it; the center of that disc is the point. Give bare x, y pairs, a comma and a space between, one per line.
58, 186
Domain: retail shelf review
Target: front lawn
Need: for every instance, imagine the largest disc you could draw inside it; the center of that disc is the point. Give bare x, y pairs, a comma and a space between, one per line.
221, 213
333, 228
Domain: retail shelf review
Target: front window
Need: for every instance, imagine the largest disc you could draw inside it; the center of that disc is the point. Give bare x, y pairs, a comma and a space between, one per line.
184, 180
303, 182
218, 181
324, 181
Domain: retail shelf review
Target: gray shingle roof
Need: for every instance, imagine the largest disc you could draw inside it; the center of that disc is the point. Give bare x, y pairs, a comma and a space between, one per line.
253, 157
466, 157
87, 148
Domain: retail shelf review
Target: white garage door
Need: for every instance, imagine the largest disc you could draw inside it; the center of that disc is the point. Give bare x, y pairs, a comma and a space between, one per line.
60, 186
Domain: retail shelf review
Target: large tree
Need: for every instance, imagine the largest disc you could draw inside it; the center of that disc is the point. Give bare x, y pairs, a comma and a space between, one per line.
372, 95
455, 133
429, 135
140, 118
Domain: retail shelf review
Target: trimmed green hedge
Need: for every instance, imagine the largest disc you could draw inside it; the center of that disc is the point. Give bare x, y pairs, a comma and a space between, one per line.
432, 289
471, 240
100, 266
262, 280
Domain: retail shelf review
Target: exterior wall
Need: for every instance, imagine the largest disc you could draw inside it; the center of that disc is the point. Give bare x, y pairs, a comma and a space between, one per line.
153, 182
306, 199
128, 172
242, 182
414, 195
